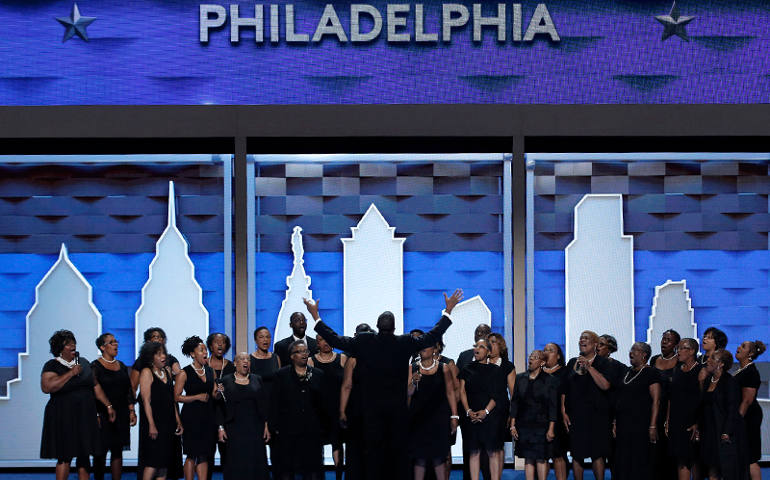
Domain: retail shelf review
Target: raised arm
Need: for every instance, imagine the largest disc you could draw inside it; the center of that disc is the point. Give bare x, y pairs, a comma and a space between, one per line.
340, 342
431, 338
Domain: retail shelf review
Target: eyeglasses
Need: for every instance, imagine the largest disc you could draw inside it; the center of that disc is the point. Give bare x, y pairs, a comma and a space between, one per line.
481, 346
301, 352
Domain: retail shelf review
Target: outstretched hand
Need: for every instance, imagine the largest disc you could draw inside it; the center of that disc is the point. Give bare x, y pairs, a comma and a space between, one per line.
312, 307
451, 302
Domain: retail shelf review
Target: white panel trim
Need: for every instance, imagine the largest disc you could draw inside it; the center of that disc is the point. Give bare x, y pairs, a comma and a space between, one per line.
654, 340
364, 298
623, 343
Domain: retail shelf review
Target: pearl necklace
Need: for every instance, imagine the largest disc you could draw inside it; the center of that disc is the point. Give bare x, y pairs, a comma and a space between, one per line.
109, 361
691, 366
67, 364
742, 368
161, 375
717, 379
323, 360
201, 371
432, 366
669, 358
242, 378
626, 381
551, 369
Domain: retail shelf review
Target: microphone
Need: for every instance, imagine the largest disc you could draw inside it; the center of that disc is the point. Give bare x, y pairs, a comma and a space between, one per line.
77, 358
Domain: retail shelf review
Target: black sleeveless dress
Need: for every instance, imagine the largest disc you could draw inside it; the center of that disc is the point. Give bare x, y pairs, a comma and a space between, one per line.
684, 402
559, 447
198, 420
158, 453
70, 427
633, 409
429, 422
116, 384
749, 378
665, 466
332, 382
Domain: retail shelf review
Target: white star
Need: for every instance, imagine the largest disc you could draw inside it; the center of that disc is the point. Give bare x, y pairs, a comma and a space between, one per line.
674, 24
75, 24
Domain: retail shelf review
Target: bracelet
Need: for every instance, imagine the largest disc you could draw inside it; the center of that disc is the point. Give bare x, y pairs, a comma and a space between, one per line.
487, 411
653, 427
221, 428
454, 417
468, 413
109, 406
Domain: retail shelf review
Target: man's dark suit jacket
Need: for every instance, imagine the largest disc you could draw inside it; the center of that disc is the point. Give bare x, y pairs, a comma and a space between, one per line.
465, 359
385, 358
281, 348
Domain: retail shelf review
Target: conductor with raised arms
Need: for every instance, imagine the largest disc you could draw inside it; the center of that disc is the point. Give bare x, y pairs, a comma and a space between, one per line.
385, 358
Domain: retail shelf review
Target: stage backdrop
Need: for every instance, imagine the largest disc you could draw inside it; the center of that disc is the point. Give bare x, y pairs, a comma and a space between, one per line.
698, 231
109, 216
305, 52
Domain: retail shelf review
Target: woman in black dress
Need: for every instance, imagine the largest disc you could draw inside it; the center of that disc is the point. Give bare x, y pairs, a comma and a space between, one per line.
637, 405
498, 355
157, 334
114, 379
333, 366
558, 448
432, 413
533, 416
748, 380
197, 382
682, 418
242, 423
159, 422
266, 364
585, 405
722, 432
70, 422
218, 345
478, 389
664, 363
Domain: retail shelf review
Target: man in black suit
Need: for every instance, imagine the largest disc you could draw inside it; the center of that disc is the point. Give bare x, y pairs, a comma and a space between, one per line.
298, 325
465, 359
385, 358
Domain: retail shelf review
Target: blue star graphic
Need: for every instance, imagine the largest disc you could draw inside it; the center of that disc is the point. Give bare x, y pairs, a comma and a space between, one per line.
75, 24
674, 23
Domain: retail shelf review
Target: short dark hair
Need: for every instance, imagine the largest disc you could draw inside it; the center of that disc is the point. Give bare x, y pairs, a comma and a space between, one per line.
190, 344
210, 340
646, 349
720, 337
363, 328
501, 342
417, 331
561, 362
612, 344
59, 339
482, 330
296, 316
148, 333
256, 332
295, 344
386, 322
676, 335
102, 339
148, 352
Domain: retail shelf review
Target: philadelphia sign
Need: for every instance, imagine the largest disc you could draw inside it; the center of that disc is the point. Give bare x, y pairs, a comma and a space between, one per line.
368, 23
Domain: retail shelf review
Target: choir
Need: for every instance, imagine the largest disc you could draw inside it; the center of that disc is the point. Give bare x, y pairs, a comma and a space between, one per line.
390, 406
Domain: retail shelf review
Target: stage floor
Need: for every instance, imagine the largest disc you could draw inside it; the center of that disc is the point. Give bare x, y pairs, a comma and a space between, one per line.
456, 475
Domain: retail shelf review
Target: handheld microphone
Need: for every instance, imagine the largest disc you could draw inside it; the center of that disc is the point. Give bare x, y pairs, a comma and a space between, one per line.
77, 358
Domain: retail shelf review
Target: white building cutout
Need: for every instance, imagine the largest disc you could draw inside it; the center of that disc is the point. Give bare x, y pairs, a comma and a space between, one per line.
466, 316
63, 300
671, 309
373, 272
298, 288
599, 271
172, 298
